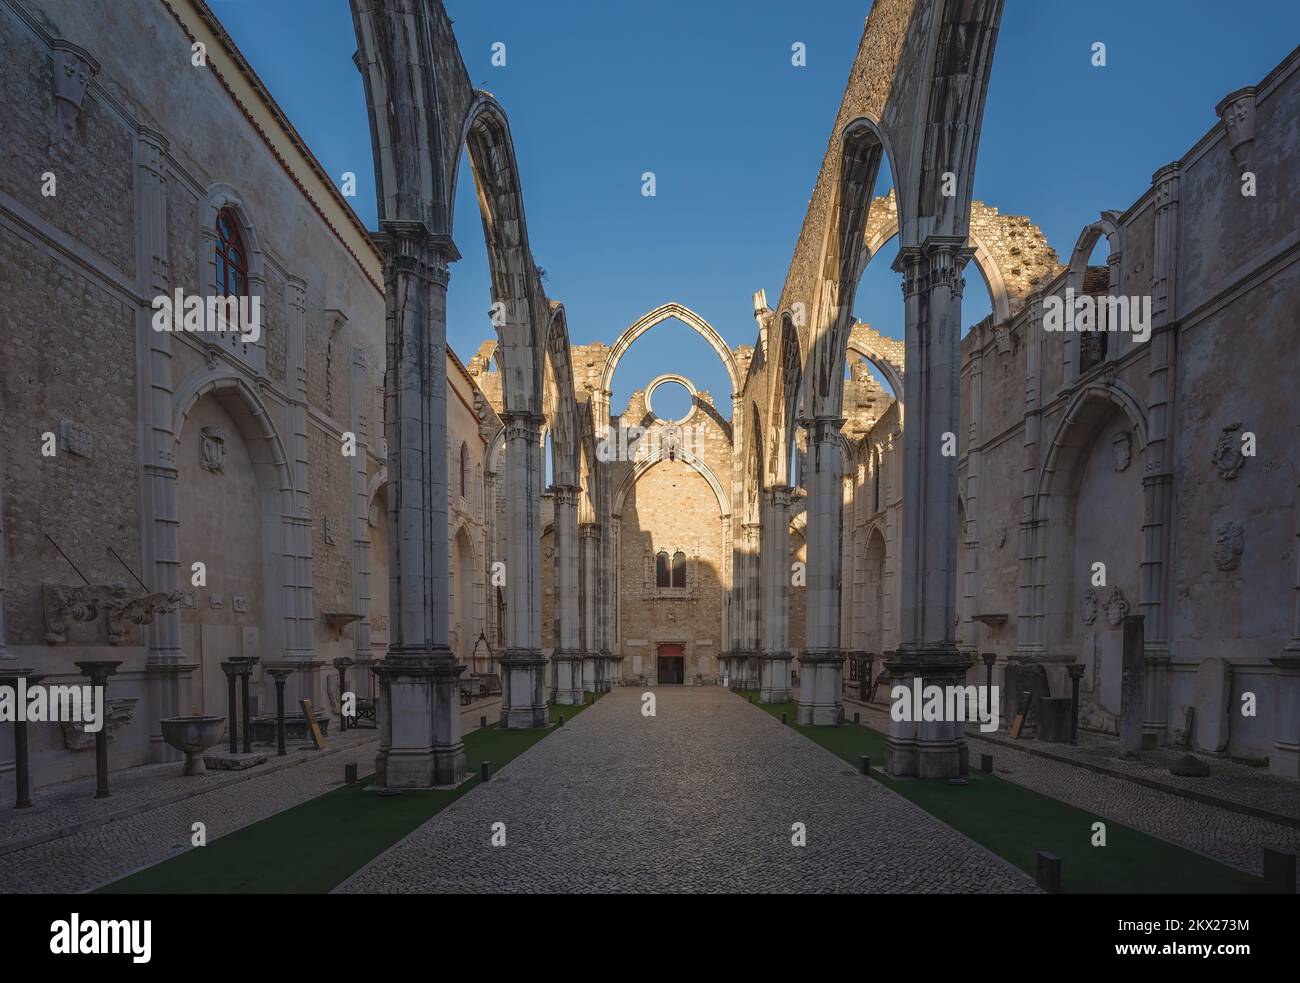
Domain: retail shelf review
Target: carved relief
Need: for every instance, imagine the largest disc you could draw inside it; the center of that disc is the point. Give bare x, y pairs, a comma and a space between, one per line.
76, 438
1228, 458
1237, 110
1122, 446
1088, 606
124, 609
1116, 606
331, 526
240, 603
118, 712
73, 70
1229, 541
214, 449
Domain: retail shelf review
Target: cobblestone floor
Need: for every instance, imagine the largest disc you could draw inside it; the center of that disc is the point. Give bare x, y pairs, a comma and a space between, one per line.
157, 830
700, 797
1229, 837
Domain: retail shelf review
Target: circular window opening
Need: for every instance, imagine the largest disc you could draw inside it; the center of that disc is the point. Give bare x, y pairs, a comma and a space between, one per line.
672, 401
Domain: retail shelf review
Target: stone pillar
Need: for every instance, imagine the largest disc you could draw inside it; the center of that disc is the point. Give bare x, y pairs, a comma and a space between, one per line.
296, 520
821, 662
1285, 756
523, 668
419, 708
1158, 477
774, 686
974, 456
609, 578
1033, 529
746, 665
167, 669
590, 536
5, 654
932, 291
567, 656
360, 513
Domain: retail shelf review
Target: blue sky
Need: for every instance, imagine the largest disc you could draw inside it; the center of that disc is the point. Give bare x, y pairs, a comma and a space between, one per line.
703, 93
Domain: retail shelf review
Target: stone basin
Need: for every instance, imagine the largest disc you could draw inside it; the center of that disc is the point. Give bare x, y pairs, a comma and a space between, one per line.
193, 735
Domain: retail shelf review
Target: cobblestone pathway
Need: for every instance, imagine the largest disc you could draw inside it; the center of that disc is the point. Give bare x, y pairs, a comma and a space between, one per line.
701, 797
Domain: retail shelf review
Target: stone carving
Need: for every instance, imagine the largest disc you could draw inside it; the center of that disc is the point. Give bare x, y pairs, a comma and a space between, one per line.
118, 712
1088, 606
1116, 606
215, 602
76, 438
240, 603
1229, 540
214, 449
1237, 110
331, 530
125, 609
1122, 446
73, 70
1228, 458
189, 600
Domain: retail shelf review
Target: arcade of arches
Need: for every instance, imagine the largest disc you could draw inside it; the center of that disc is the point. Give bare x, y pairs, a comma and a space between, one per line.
813, 529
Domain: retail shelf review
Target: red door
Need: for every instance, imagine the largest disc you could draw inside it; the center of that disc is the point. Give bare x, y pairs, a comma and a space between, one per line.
672, 664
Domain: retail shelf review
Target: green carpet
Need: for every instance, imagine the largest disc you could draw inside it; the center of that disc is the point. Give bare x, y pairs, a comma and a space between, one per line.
1016, 822
315, 846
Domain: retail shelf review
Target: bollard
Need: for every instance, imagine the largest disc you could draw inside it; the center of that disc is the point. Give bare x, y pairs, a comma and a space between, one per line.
1279, 871
350, 774
783, 718
857, 717
986, 763
485, 771
1049, 872
482, 723
866, 765
751, 699
561, 720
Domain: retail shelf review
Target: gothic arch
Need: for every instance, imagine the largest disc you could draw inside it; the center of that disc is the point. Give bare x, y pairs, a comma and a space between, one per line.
563, 414
656, 317
646, 463
1085, 411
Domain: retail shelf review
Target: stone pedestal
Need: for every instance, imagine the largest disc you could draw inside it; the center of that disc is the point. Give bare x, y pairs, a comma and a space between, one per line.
820, 672
523, 690
419, 733
568, 676
926, 748
1284, 758
774, 687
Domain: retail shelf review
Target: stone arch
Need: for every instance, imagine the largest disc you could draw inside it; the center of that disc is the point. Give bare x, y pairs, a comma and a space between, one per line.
1083, 413
468, 581
650, 460
879, 356
563, 415
658, 316
521, 313
284, 609
783, 407
1107, 225
1049, 624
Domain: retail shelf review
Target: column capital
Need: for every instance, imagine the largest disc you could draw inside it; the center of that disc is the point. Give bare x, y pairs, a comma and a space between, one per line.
779, 496
566, 495
589, 530
823, 428
522, 424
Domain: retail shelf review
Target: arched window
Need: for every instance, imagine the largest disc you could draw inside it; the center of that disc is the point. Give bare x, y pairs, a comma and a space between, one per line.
464, 471
663, 576
679, 569
231, 256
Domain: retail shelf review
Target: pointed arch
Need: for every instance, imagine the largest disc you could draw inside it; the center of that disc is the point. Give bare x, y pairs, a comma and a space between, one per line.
645, 464
660, 314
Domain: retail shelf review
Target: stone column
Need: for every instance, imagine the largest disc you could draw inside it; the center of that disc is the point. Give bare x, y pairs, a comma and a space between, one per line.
590, 535
821, 662
971, 534
360, 514
567, 656
609, 578
419, 734
731, 659
5, 654
1285, 756
745, 665
296, 521
523, 668
167, 669
932, 290
774, 686
1158, 476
